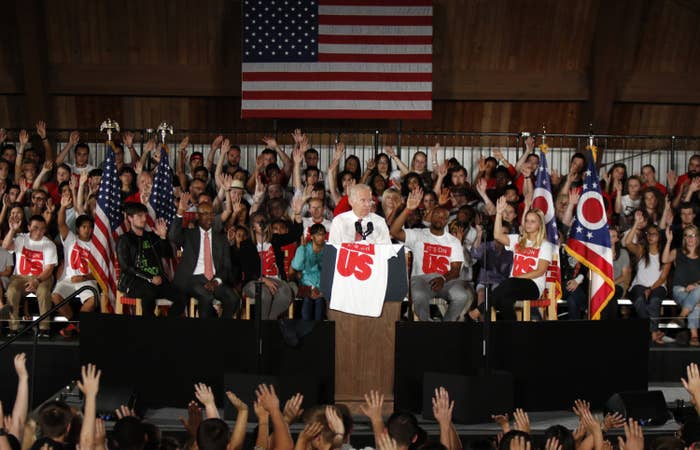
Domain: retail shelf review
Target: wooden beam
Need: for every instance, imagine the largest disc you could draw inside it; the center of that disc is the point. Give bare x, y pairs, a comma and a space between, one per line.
32, 44
517, 86
152, 80
661, 88
10, 82
615, 40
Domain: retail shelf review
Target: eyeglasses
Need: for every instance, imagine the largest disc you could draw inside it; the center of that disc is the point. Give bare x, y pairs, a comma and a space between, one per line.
690, 235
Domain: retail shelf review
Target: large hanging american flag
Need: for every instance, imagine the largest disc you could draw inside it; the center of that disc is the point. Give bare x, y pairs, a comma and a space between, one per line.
589, 241
337, 59
108, 220
542, 200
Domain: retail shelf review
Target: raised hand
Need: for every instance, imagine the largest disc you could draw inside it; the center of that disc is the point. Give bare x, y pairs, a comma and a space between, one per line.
371, 164
74, 138
639, 220
20, 362
236, 402
389, 151
260, 412
310, 431
611, 421
522, 421
298, 155
161, 228
496, 152
590, 423
634, 437
335, 422
580, 406
481, 185
519, 443
692, 382
529, 144
41, 129
3, 135
268, 398
574, 196
225, 146
184, 203
47, 167
414, 199
124, 411
150, 146
204, 394
502, 421
442, 406
23, 138
442, 170
501, 205
373, 406
552, 444
128, 139
339, 150
217, 143
100, 433
90, 383
270, 142
184, 143
292, 408
385, 442
194, 418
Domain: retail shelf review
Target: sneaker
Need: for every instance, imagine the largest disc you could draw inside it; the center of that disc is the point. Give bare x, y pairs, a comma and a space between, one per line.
69, 332
12, 333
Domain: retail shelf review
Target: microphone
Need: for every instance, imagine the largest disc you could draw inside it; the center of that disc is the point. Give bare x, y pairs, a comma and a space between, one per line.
358, 228
370, 229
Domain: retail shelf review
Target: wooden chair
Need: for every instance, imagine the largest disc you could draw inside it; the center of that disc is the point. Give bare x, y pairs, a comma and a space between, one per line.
251, 301
161, 304
194, 308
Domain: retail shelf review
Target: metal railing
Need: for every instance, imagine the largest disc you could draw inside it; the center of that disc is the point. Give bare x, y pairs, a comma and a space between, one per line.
663, 152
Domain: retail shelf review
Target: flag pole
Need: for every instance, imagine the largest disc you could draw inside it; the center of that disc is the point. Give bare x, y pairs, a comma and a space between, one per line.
592, 148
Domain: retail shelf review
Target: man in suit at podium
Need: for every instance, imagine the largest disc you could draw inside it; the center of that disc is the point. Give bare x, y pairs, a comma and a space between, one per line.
359, 224
205, 271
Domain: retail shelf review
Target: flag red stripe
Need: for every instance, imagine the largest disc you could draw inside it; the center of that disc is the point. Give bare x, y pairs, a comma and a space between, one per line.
376, 20
335, 95
395, 77
377, 40
334, 113
376, 2
594, 258
360, 58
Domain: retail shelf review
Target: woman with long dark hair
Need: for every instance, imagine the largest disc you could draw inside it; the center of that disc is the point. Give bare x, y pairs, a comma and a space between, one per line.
532, 254
648, 286
686, 278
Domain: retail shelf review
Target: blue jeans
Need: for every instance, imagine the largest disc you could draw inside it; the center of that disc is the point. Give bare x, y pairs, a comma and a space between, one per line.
648, 308
576, 301
313, 308
689, 300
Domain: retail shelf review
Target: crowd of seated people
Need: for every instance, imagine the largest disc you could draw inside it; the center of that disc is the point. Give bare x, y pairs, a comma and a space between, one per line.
235, 226
59, 426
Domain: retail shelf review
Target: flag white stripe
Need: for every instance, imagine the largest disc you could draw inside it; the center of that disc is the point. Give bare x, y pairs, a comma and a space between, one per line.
374, 30
378, 86
391, 105
359, 10
373, 49
338, 67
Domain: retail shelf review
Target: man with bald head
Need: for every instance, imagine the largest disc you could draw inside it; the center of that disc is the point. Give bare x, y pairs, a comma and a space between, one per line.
359, 224
205, 270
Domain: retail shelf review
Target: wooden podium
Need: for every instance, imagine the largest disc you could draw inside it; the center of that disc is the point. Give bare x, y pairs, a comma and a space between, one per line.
364, 346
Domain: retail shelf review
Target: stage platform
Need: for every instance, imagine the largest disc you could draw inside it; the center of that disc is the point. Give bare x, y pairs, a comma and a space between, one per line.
183, 351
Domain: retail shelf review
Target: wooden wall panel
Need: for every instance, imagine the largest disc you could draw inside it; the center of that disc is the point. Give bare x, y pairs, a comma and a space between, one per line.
12, 111
635, 118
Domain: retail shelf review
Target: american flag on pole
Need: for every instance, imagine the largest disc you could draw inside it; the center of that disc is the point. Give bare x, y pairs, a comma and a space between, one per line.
108, 220
542, 200
589, 241
349, 59
162, 198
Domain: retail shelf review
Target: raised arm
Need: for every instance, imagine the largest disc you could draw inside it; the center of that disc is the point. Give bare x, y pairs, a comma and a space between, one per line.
89, 386
498, 233
568, 216
333, 172
45, 171
669, 255
298, 156
239, 428
441, 174
206, 397
66, 201
400, 164
372, 408
23, 141
73, 140
41, 131
280, 435
412, 203
489, 207
128, 141
225, 147
529, 147
182, 156
371, 164
629, 243
218, 141
19, 411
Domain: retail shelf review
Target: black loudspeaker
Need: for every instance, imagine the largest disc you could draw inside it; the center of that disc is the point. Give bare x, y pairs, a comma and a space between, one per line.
476, 397
646, 407
109, 398
245, 384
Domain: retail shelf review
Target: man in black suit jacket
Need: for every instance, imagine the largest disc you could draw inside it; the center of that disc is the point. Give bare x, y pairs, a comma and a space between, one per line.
204, 271
141, 273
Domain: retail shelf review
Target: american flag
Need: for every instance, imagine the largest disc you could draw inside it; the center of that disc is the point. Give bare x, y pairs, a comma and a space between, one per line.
542, 200
356, 59
108, 220
162, 198
589, 241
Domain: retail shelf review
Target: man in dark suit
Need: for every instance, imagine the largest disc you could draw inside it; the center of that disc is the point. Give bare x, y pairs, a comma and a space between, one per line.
204, 271
141, 273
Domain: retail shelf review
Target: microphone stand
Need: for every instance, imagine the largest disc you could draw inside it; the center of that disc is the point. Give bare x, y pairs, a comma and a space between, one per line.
258, 305
486, 329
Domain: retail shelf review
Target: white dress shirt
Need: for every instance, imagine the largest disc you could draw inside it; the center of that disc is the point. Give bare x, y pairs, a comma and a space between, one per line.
343, 228
199, 268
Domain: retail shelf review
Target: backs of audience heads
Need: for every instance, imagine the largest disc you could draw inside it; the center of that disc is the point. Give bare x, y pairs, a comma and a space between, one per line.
509, 436
212, 434
690, 430
432, 445
667, 443
317, 413
563, 435
403, 427
55, 419
129, 433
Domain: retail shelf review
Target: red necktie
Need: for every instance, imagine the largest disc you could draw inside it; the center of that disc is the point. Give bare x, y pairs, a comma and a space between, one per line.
358, 236
208, 263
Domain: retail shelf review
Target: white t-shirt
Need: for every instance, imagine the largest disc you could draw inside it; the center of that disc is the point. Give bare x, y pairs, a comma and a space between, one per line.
647, 274
77, 171
431, 253
359, 281
307, 222
343, 228
525, 260
33, 256
76, 253
629, 205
